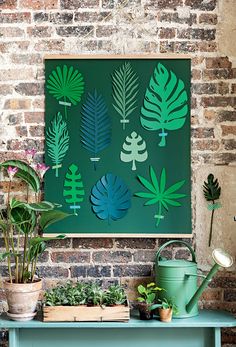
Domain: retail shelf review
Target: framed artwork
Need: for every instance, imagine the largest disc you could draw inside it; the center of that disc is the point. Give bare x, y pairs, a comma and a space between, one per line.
117, 139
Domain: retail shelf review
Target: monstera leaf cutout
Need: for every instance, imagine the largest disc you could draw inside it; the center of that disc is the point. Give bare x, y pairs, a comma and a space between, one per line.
57, 140
66, 84
110, 197
125, 89
95, 125
165, 103
73, 188
158, 194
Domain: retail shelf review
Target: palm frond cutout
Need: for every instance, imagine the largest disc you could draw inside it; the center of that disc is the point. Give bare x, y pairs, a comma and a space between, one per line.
212, 191
57, 141
95, 125
110, 197
125, 89
73, 188
66, 84
165, 104
158, 194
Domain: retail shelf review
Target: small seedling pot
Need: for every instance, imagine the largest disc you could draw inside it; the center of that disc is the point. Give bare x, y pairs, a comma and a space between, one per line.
144, 311
165, 314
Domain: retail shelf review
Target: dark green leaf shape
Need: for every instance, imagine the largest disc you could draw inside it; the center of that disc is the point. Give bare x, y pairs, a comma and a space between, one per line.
41, 206
4, 255
24, 219
158, 194
165, 104
57, 141
125, 89
25, 172
73, 188
95, 125
211, 191
50, 217
110, 197
66, 84
211, 188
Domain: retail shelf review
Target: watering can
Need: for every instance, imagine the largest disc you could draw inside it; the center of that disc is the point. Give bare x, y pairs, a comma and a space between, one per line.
179, 278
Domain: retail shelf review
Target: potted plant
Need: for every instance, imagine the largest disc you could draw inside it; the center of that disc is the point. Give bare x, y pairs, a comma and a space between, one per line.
115, 295
146, 300
22, 223
166, 309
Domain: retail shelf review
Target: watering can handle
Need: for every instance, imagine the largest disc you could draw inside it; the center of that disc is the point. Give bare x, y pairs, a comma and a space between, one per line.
176, 241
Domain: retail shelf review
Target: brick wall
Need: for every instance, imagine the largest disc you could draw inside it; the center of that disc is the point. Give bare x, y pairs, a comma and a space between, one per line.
32, 28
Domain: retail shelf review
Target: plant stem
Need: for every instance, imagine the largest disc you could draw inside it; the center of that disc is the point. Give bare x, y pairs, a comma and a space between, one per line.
211, 225
159, 214
162, 143
6, 238
24, 256
65, 108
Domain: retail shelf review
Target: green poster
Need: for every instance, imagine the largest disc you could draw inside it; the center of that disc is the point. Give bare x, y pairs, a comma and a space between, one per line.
117, 138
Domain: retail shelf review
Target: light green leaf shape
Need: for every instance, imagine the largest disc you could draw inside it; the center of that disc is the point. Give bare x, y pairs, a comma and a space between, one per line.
158, 194
165, 103
57, 141
66, 84
134, 150
73, 188
125, 89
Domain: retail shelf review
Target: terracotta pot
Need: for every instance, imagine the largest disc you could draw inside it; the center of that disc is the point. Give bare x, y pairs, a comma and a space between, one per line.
144, 312
22, 299
165, 314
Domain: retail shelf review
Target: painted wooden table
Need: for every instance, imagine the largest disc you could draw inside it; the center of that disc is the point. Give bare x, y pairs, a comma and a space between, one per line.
201, 331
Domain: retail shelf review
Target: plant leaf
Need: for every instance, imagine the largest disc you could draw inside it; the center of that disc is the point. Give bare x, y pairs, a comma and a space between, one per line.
41, 206
211, 188
50, 217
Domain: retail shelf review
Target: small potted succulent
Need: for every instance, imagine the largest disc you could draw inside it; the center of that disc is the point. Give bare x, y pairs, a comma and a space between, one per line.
147, 299
166, 308
22, 223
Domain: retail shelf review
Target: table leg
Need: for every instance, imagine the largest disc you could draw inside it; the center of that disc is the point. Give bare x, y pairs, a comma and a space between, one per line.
14, 337
217, 337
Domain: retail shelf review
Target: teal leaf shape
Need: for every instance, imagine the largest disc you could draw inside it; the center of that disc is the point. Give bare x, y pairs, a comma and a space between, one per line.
157, 193
95, 125
125, 89
110, 197
73, 188
66, 84
165, 104
57, 141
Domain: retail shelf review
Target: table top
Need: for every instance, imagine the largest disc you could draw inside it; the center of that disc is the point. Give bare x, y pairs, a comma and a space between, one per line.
206, 318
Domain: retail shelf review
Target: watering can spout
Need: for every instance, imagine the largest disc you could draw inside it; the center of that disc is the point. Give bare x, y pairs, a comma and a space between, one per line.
222, 259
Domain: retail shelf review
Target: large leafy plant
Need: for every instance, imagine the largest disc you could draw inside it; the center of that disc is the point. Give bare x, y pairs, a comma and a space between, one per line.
148, 293
165, 104
158, 194
212, 191
23, 221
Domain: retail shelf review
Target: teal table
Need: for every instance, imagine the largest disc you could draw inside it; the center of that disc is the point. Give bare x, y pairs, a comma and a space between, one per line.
200, 331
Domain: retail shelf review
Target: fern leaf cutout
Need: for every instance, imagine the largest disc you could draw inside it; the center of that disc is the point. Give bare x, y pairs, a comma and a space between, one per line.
158, 194
57, 141
165, 104
66, 84
134, 149
73, 188
110, 197
212, 191
125, 89
95, 126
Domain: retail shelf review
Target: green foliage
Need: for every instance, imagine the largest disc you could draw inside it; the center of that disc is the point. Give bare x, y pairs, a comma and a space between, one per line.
92, 294
166, 304
125, 90
73, 188
158, 194
165, 103
148, 293
57, 141
212, 191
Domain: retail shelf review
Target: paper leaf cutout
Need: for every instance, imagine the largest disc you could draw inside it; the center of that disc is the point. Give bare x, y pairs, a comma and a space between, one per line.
73, 188
134, 150
125, 90
57, 141
95, 125
110, 197
165, 103
158, 194
67, 85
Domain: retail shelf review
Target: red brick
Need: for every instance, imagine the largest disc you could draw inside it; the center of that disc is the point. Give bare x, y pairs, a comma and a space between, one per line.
167, 33
29, 59
34, 117
11, 32
206, 145
92, 16
14, 46
50, 45
40, 31
16, 74
77, 4
218, 63
233, 88
201, 5
206, 46
6, 89
112, 257
36, 131
92, 243
38, 4
214, 74
228, 130
8, 5
18, 17
218, 101
105, 30
70, 257
29, 88
229, 144
202, 132
136, 243
204, 88
21, 130
223, 88
162, 4
17, 104
196, 74
208, 18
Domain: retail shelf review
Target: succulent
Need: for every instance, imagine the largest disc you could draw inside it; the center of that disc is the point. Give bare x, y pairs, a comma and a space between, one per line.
115, 295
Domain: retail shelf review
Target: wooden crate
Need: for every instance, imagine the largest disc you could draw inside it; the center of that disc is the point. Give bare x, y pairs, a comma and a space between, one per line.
119, 313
